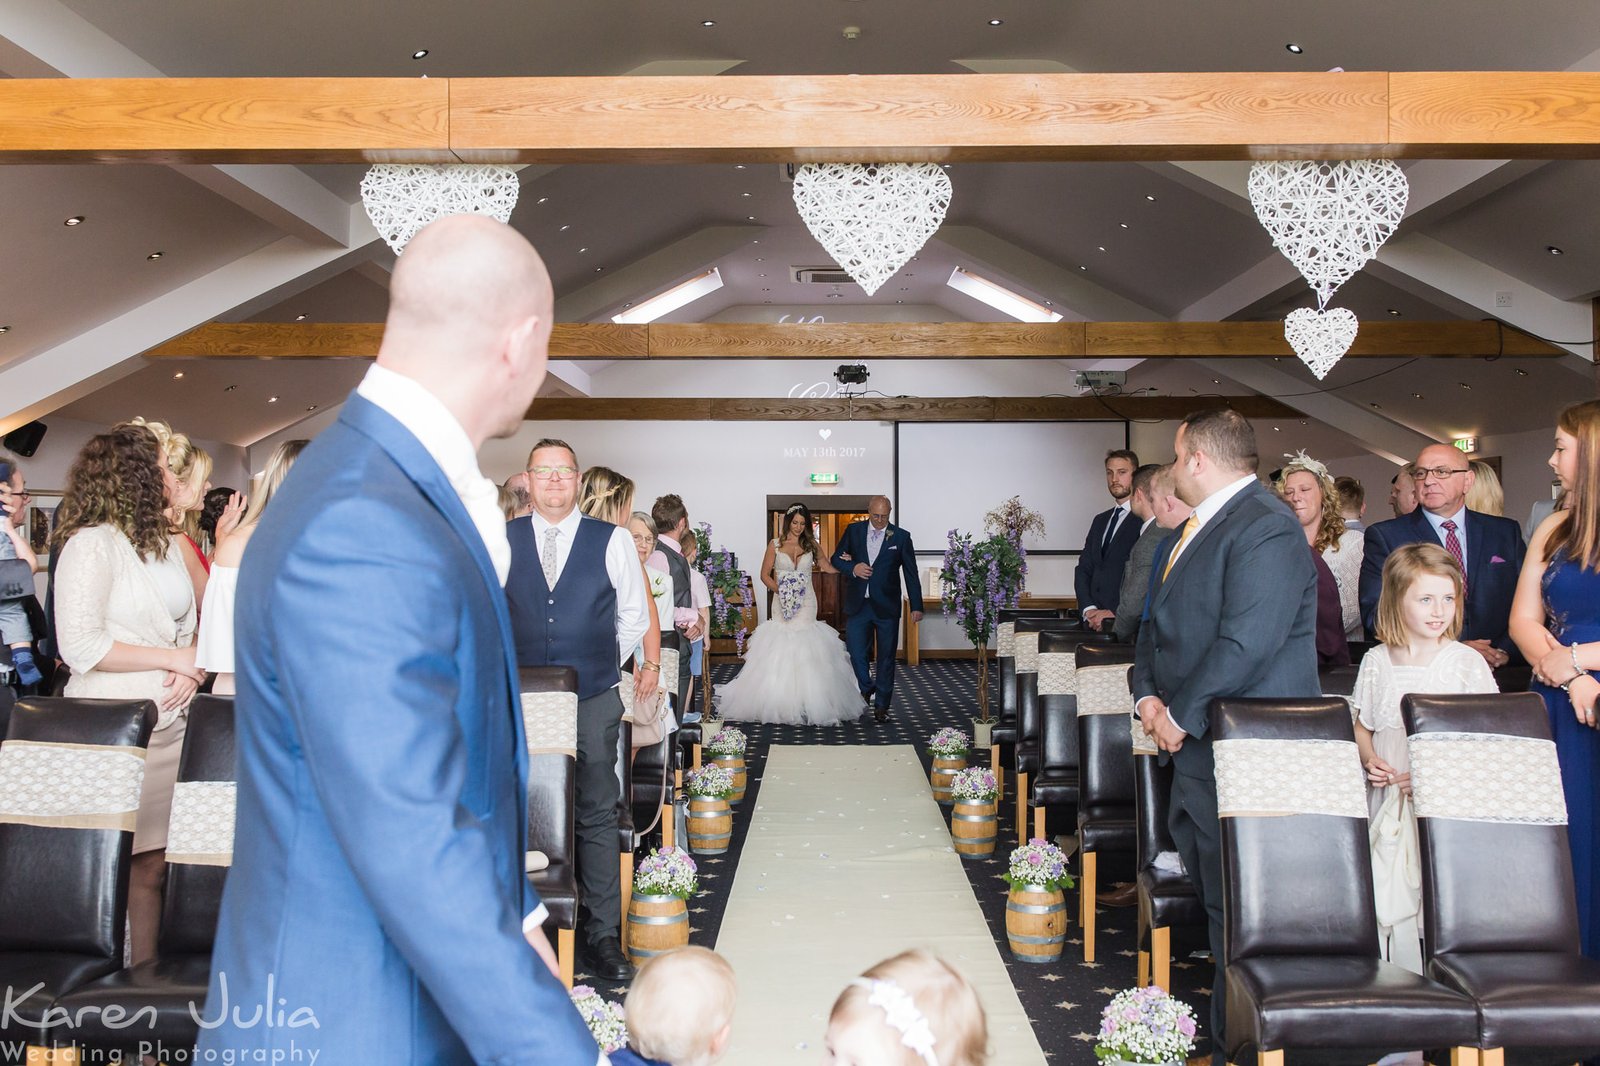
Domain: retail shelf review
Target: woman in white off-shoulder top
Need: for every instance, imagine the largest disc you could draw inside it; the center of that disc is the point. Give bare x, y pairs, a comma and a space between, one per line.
215, 647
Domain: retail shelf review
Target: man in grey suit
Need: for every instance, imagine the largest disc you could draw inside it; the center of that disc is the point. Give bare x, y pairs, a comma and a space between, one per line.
1136, 574
1233, 609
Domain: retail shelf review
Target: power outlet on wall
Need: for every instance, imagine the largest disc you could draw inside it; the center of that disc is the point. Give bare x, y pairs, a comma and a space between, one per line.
1502, 299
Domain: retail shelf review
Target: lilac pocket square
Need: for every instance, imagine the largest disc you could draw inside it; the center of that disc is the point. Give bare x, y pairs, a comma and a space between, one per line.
1495, 559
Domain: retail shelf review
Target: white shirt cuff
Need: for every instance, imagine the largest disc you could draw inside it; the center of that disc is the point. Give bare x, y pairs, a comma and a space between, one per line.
536, 918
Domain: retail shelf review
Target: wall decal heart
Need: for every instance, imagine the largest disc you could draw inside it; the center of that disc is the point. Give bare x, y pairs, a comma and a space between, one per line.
824, 433
401, 198
1329, 219
872, 218
1320, 338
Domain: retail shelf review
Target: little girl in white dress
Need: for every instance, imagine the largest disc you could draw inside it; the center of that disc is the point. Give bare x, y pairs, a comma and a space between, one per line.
1419, 617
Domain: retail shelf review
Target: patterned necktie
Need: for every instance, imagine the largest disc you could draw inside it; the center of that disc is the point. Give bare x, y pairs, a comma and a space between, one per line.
1188, 527
548, 559
1452, 544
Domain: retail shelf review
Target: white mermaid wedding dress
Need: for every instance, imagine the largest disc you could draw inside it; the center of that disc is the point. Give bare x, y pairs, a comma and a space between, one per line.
796, 671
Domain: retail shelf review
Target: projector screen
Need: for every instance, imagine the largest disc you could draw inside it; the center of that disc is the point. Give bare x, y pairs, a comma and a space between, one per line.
951, 474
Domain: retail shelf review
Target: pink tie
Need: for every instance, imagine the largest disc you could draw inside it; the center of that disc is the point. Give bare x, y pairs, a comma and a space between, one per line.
1452, 544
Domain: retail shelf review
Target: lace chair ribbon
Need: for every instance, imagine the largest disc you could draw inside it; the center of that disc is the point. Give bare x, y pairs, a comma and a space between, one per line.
1027, 648
1057, 673
1006, 640
70, 786
201, 830
669, 668
551, 721
1272, 777
1486, 777
1143, 745
1103, 690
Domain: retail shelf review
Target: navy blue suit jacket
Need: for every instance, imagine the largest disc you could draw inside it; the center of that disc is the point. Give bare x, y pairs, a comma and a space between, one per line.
378, 868
1097, 582
1494, 560
896, 556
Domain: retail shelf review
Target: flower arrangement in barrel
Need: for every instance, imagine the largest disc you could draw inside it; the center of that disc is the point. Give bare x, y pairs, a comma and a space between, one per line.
948, 743
982, 576
604, 1018
729, 741
710, 782
1145, 1026
730, 594
667, 871
975, 784
1038, 864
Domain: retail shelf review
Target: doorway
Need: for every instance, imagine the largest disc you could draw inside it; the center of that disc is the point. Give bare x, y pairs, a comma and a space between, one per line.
829, 517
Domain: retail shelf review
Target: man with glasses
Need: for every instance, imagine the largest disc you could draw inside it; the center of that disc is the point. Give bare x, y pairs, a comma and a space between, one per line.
872, 555
578, 599
1488, 548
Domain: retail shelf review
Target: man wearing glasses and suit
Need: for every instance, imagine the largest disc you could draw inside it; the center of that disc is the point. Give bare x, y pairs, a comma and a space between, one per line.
1488, 548
873, 555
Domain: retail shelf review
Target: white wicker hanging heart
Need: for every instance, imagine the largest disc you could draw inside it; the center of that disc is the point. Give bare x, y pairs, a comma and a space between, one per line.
872, 218
1329, 219
401, 198
1320, 338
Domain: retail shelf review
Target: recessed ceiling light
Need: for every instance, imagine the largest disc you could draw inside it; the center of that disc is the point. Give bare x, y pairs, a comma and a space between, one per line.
899, 301
1395, 312
1101, 247
744, 194
760, 275
1216, 381
766, 290
760, 260
272, 399
5, 329
1083, 268
300, 318
1464, 385
153, 256
905, 288
1277, 429
75, 220
999, 297
178, 376
997, 22
582, 250
312, 407
420, 53
564, 229
230, 388
1122, 225
708, 22
1375, 406
738, 166
1552, 249
598, 269
1521, 373
1294, 49
1152, 199
750, 218
541, 199
1416, 395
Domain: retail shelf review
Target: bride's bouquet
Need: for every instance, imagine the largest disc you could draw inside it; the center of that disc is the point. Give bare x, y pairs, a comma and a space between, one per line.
792, 593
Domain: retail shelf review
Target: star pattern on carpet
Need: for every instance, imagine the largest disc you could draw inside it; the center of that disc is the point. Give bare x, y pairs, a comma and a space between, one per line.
1067, 1005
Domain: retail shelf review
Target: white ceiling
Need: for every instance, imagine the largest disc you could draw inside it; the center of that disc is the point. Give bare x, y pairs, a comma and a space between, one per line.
1195, 250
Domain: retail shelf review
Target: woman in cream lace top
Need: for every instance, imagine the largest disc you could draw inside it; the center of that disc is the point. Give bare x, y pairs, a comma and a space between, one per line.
125, 621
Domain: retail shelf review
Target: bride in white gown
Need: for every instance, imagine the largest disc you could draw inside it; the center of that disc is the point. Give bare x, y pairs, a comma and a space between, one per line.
796, 670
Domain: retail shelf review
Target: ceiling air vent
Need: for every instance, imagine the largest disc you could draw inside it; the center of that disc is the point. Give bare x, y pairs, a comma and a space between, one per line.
822, 275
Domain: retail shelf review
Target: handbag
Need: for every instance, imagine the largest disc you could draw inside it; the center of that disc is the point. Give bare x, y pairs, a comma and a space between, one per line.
16, 579
652, 723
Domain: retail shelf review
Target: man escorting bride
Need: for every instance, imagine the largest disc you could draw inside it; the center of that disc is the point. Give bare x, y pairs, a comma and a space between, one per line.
796, 670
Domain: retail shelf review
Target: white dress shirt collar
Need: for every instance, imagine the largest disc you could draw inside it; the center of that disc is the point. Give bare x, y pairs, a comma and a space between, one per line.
426, 418
1218, 500
1438, 521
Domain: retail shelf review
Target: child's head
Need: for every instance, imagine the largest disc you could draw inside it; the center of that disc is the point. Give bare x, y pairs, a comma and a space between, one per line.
10, 473
680, 1007
1422, 597
903, 1007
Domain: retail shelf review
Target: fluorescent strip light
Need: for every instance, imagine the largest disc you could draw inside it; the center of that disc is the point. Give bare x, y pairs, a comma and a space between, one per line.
999, 297
674, 298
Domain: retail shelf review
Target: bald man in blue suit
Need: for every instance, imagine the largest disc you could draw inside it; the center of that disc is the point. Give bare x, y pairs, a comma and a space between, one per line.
378, 882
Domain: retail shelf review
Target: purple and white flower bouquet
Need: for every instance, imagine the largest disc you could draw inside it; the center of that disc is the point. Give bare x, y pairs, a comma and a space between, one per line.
1039, 864
1145, 1026
711, 782
792, 593
975, 784
604, 1018
667, 872
948, 743
730, 740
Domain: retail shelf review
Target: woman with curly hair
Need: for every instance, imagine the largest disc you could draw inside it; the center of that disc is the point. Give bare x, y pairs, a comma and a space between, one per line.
1311, 494
191, 469
125, 621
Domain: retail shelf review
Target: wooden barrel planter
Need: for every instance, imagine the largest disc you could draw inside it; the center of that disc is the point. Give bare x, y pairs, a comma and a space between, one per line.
710, 825
735, 765
656, 924
974, 827
943, 770
1036, 924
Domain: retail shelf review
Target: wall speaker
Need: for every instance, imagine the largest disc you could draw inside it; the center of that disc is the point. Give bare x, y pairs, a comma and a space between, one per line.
24, 440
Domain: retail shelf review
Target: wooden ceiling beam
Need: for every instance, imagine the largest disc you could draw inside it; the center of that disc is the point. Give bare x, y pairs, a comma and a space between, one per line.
885, 340
905, 409
870, 118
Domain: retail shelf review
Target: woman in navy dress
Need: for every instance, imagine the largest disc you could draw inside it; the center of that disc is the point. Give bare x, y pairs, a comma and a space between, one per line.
1555, 621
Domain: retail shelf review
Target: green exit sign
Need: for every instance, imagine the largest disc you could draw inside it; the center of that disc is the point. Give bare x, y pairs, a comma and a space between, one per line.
1466, 444
824, 479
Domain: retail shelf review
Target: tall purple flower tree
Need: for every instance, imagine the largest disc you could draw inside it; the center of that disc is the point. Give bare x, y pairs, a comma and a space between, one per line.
979, 579
730, 594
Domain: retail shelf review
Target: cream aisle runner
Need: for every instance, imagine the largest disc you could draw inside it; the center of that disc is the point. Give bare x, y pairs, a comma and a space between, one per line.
846, 863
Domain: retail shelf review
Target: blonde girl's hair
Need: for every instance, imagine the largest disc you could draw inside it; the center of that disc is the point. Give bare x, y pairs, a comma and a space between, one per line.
1400, 571
1332, 526
1578, 533
603, 493
283, 457
1486, 495
189, 463
944, 997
